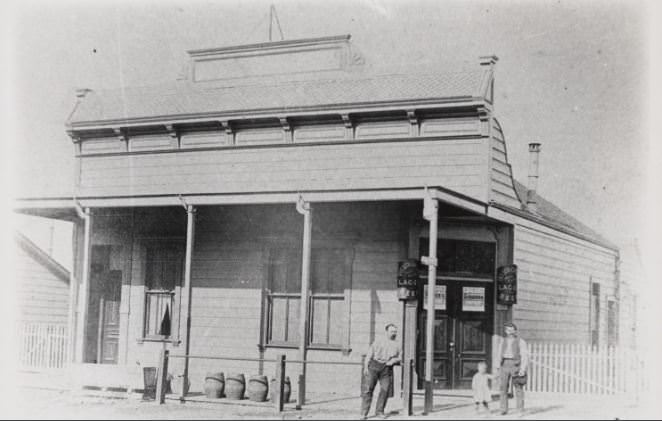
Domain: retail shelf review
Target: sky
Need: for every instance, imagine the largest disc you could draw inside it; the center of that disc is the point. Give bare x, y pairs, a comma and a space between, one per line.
573, 75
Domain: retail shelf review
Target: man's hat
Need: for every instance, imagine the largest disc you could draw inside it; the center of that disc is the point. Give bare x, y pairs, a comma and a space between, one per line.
510, 324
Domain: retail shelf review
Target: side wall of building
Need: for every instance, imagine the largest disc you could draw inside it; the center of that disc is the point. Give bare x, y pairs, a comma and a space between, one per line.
555, 273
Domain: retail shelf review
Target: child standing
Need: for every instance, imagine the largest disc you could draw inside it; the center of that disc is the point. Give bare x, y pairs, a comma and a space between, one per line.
480, 386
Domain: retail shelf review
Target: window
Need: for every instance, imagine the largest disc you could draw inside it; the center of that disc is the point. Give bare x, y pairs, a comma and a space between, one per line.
329, 278
462, 258
163, 275
612, 322
594, 314
284, 297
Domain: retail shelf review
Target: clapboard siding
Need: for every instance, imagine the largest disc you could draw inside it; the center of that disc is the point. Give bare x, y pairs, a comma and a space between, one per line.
502, 189
41, 295
554, 278
460, 165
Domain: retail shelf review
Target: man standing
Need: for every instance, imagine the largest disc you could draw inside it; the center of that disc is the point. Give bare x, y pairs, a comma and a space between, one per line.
514, 359
383, 354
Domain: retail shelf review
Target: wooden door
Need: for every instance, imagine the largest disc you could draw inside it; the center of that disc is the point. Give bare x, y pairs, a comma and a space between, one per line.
109, 318
473, 321
462, 332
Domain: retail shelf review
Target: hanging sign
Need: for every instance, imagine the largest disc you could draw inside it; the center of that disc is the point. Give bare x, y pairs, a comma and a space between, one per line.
439, 297
507, 285
473, 299
408, 274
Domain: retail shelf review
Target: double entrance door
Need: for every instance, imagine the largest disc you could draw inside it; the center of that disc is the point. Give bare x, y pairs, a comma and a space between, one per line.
463, 325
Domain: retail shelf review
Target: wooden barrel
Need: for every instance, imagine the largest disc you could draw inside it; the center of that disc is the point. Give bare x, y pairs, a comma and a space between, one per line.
214, 385
287, 390
258, 388
235, 386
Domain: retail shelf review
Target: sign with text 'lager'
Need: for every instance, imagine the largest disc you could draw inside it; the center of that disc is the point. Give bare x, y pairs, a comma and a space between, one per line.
408, 274
507, 285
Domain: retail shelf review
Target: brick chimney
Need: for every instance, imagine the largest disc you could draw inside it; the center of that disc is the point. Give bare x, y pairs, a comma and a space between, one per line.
534, 152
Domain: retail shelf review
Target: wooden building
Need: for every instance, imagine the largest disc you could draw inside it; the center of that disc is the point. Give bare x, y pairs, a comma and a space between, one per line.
289, 166
42, 285
42, 306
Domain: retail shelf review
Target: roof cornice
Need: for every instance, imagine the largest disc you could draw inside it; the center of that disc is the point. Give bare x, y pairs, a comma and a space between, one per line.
340, 109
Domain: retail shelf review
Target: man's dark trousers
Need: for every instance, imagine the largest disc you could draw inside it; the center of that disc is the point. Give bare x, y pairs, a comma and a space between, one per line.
383, 373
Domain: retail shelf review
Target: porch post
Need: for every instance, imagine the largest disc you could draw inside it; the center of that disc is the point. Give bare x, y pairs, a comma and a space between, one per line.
84, 290
73, 296
304, 209
430, 212
190, 233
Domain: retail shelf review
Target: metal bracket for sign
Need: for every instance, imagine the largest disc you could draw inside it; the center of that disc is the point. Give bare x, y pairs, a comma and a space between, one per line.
429, 261
430, 205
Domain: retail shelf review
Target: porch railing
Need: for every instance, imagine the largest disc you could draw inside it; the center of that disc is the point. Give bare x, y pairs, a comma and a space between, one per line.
42, 345
584, 369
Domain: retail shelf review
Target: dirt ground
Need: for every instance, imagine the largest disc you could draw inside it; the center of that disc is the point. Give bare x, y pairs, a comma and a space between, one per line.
37, 399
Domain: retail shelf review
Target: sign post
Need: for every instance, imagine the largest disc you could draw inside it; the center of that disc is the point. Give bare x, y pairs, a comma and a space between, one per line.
430, 213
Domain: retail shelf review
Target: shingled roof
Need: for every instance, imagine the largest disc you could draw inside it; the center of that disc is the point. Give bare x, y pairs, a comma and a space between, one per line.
41, 256
552, 215
184, 98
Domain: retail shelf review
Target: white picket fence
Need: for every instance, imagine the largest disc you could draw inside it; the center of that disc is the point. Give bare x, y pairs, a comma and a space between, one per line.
42, 345
583, 369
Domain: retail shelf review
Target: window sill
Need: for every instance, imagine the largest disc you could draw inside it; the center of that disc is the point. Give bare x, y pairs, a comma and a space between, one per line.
328, 348
289, 346
173, 341
345, 351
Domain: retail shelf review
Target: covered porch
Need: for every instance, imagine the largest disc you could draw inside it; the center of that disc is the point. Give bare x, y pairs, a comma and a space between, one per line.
227, 279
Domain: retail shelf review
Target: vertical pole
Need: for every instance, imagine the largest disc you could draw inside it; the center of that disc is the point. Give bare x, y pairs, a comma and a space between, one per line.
70, 353
279, 383
430, 212
363, 357
84, 290
304, 209
162, 377
190, 233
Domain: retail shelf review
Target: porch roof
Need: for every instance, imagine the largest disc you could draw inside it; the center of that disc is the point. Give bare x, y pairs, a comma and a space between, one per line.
547, 213
64, 208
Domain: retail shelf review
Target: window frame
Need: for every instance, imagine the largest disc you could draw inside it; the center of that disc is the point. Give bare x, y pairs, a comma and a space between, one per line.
179, 245
345, 296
